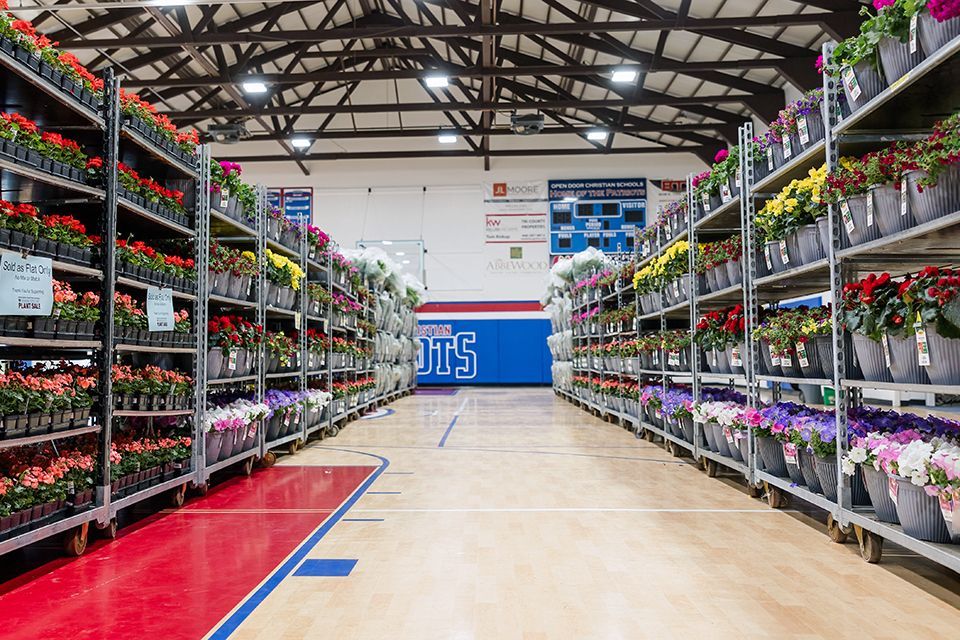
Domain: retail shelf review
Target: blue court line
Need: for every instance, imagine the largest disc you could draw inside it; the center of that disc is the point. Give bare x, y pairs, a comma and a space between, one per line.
362, 520
228, 626
446, 434
383, 493
326, 568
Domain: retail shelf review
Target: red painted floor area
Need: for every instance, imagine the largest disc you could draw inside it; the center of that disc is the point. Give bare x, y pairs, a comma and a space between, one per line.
175, 575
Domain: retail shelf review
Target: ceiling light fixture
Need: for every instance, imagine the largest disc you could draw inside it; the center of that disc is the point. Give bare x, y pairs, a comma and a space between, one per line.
254, 86
570, 199
446, 138
388, 242
406, 262
598, 135
624, 75
437, 82
400, 253
301, 143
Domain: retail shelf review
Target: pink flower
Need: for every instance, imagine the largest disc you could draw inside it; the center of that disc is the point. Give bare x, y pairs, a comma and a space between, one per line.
819, 63
722, 155
880, 4
943, 10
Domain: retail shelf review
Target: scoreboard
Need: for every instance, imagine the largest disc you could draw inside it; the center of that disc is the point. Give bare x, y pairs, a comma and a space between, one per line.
596, 213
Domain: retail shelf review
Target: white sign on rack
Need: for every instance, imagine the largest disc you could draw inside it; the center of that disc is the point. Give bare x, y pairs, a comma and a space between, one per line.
26, 285
160, 309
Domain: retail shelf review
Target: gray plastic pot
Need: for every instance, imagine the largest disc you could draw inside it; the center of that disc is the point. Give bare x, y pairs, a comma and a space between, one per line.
886, 211
720, 274
214, 364
933, 34
793, 369
735, 452
896, 59
723, 448
822, 347
776, 264
744, 445
211, 446
858, 213
227, 444
711, 438
873, 366
770, 370
920, 514
794, 471
827, 475
815, 129
722, 362
904, 366
710, 361
944, 365
813, 369
771, 452
686, 427
934, 202
870, 82
734, 271
809, 244
809, 471
732, 368
234, 287
711, 278
876, 484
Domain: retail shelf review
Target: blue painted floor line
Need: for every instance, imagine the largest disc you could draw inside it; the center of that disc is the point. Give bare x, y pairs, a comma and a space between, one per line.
314, 568
446, 434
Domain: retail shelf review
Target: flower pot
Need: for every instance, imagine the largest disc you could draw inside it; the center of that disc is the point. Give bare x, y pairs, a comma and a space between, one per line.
809, 244
821, 348
896, 58
711, 278
767, 359
887, 211
709, 437
772, 249
813, 368
808, 469
723, 361
743, 444
734, 271
827, 475
920, 514
227, 444
934, 202
904, 365
723, 447
241, 362
251, 436
212, 445
721, 276
791, 458
944, 367
873, 365
771, 452
214, 364
235, 287
45, 328
933, 34
686, 428
736, 369
869, 83
876, 483
860, 232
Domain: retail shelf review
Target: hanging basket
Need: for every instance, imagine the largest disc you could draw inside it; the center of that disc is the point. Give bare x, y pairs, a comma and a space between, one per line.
808, 469
920, 514
876, 483
904, 365
771, 452
933, 34
896, 59
944, 368
934, 202
873, 366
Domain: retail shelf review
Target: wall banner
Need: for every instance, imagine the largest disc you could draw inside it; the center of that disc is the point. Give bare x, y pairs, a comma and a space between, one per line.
516, 235
296, 203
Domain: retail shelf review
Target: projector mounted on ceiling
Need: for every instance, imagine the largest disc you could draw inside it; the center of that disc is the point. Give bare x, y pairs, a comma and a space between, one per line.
230, 133
526, 124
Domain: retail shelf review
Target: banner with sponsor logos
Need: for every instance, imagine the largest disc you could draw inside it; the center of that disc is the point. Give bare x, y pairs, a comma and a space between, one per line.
516, 236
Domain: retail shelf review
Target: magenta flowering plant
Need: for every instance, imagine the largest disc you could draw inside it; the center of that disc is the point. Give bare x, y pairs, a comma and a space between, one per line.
942, 10
721, 155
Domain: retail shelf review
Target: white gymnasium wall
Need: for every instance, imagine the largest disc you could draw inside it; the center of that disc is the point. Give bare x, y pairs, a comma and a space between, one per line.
441, 202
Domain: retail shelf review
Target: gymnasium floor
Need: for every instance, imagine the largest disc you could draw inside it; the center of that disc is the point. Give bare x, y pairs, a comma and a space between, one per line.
488, 514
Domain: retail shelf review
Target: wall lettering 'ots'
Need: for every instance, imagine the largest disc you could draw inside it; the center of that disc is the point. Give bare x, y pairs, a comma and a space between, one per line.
445, 353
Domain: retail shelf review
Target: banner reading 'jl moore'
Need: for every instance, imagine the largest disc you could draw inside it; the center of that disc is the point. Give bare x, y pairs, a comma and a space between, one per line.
516, 236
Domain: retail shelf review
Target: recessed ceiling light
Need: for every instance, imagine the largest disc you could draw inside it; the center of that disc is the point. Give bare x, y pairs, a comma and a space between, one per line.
598, 135
388, 242
406, 262
254, 86
301, 143
570, 199
624, 75
400, 253
446, 138
437, 82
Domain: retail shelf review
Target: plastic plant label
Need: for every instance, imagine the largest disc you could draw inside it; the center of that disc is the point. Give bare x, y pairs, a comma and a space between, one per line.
786, 360
738, 179
725, 194
850, 83
249, 288
286, 419
775, 360
735, 358
160, 309
923, 347
224, 197
892, 488
802, 354
714, 354
658, 413
946, 507
674, 360
787, 148
252, 430
232, 361
728, 434
296, 320
886, 349
706, 202
869, 208
913, 33
676, 288
767, 258
769, 158
26, 285
71, 487
803, 129
656, 356
903, 196
783, 252
790, 452
847, 216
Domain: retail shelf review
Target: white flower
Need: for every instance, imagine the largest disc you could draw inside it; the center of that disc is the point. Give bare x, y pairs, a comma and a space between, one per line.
914, 460
848, 466
858, 455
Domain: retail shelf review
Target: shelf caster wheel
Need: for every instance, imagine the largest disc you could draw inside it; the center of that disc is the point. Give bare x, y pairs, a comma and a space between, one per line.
755, 491
201, 489
268, 460
711, 467
835, 531
292, 448
75, 542
871, 545
248, 466
775, 497
674, 449
109, 530
648, 435
177, 496
332, 431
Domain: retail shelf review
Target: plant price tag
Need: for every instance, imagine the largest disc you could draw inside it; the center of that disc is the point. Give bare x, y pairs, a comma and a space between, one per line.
232, 361
676, 288
735, 358
775, 360
913, 33
803, 129
656, 356
787, 148
850, 83
714, 354
728, 434
674, 360
892, 488
869, 208
286, 419
886, 349
790, 452
160, 309
738, 179
786, 360
769, 158
224, 197
847, 216
923, 347
725, 194
946, 507
783, 252
296, 320
903, 196
252, 429
26, 285
767, 258
802, 354
706, 202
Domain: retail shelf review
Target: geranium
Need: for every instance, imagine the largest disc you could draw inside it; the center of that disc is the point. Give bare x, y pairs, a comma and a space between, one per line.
150, 380
68, 305
66, 230
150, 189
943, 10
54, 146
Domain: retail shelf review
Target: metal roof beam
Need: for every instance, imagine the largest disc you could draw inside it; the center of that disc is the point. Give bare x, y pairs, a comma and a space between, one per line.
465, 153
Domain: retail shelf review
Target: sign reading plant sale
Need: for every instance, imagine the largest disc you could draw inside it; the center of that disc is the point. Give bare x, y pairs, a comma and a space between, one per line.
160, 309
26, 285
